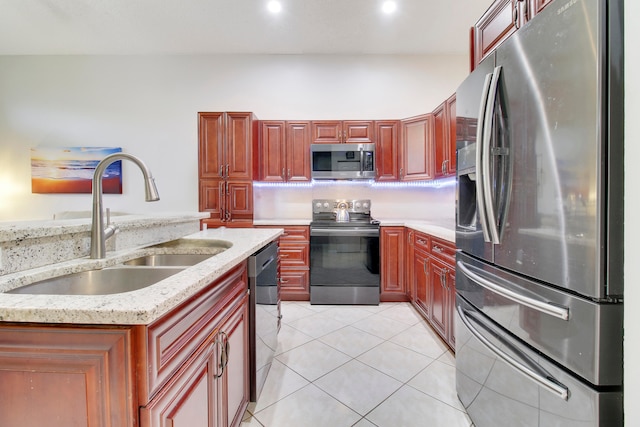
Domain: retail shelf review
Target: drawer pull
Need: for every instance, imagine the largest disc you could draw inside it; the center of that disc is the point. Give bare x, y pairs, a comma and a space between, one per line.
438, 249
422, 242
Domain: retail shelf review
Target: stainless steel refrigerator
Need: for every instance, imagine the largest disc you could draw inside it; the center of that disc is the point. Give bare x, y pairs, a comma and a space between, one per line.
539, 223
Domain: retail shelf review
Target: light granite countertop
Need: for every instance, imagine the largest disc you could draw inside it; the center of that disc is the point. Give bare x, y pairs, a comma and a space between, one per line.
142, 306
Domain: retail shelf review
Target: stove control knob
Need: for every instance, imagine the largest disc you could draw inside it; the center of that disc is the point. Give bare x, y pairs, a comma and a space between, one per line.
326, 205
318, 205
365, 205
358, 205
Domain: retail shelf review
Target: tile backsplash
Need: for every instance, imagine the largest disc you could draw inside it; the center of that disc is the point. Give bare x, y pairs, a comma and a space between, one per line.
430, 202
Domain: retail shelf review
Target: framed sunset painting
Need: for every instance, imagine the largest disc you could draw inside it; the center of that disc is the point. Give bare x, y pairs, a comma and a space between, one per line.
70, 169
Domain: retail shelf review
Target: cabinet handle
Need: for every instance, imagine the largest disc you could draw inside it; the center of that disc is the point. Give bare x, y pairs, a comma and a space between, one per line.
422, 242
224, 354
215, 344
444, 167
438, 249
515, 17
283, 175
289, 173
226, 187
283, 281
221, 171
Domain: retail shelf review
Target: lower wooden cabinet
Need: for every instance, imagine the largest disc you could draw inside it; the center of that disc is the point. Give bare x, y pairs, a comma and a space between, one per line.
294, 262
432, 282
392, 264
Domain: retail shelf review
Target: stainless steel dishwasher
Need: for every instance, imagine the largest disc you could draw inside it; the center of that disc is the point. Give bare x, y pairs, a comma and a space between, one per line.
264, 315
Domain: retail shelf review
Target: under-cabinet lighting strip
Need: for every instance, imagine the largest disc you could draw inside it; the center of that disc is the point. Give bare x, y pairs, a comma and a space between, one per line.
438, 183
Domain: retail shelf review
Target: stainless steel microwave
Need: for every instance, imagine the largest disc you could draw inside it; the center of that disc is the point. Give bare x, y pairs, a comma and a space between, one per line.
343, 161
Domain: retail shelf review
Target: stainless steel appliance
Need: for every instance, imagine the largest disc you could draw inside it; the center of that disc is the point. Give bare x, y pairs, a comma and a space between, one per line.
343, 161
345, 253
264, 315
539, 223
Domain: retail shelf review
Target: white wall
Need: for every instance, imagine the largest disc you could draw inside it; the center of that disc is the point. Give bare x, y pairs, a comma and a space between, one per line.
632, 207
148, 106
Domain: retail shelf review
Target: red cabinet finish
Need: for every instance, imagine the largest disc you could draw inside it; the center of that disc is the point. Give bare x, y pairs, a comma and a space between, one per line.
392, 264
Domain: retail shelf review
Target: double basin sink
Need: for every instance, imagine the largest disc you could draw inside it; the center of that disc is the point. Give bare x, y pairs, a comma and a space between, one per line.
131, 275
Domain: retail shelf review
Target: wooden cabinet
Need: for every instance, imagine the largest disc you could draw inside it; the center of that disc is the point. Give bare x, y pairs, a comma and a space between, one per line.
416, 150
62, 376
432, 282
337, 132
444, 124
195, 367
392, 264
387, 150
227, 142
285, 151
503, 18
294, 263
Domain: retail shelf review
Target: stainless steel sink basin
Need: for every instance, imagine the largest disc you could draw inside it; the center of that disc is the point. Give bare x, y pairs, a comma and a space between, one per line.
174, 260
112, 280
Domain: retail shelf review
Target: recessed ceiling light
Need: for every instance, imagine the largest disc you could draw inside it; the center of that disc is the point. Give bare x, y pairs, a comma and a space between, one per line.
274, 6
389, 6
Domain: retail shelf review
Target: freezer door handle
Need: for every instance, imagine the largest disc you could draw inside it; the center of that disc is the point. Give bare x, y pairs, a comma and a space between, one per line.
534, 372
541, 306
487, 177
480, 199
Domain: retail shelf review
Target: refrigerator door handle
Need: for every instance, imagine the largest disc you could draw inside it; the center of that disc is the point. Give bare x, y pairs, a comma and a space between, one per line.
486, 156
541, 306
536, 373
480, 199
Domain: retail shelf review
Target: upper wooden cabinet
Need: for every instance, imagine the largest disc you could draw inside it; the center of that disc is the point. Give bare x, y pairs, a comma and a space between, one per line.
338, 132
226, 145
284, 151
501, 20
444, 124
416, 149
387, 150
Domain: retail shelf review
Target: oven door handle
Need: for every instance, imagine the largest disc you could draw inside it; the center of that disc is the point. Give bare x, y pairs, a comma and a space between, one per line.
329, 231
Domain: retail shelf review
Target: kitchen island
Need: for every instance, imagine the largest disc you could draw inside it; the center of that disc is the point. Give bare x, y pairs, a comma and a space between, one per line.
172, 353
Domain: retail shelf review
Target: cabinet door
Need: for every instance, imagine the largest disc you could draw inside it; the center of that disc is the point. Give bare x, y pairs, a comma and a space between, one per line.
535, 6
451, 288
392, 252
387, 150
234, 337
452, 156
438, 313
272, 151
360, 132
294, 284
326, 132
416, 148
495, 26
440, 143
210, 145
422, 274
240, 134
298, 152
189, 399
239, 200
212, 197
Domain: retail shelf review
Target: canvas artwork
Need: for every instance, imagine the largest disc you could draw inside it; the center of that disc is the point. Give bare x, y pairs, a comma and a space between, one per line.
70, 169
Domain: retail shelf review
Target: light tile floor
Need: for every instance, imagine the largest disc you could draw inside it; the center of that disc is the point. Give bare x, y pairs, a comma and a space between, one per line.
362, 366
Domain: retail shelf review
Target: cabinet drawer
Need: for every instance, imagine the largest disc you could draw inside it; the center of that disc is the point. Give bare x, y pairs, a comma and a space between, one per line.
295, 234
294, 285
171, 340
421, 241
294, 254
444, 250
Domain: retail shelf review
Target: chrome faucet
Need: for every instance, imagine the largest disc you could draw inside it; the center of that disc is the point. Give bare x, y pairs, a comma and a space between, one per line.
99, 234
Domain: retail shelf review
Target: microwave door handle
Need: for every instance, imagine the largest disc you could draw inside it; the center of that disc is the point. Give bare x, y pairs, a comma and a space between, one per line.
480, 199
488, 177
534, 372
361, 161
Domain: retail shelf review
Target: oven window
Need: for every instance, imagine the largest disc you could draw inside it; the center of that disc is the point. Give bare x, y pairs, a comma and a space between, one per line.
345, 260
